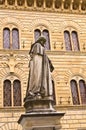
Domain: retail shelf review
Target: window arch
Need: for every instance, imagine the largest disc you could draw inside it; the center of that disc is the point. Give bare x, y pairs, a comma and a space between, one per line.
12, 93
10, 38
78, 90
71, 40
45, 33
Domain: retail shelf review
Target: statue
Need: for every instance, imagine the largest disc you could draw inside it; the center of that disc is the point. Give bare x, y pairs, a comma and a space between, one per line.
40, 81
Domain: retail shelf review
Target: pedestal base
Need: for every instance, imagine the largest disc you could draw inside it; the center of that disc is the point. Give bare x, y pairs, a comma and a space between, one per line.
41, 121
39, 105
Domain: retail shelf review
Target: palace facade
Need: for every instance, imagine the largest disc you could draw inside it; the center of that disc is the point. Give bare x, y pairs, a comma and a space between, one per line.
63, 23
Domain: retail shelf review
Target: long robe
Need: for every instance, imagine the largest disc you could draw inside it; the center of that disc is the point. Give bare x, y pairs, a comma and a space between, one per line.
39, 75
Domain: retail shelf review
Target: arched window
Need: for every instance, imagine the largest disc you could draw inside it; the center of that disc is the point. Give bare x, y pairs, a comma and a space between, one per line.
67, 40
17, 93
37, 33
6, 38
11, 38
15, 38
46, 34
74, 90
82, 87
12, 93
7, 93
75, 41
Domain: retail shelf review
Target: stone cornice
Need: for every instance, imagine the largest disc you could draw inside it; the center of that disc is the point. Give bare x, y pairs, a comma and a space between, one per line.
8, 53
66, 6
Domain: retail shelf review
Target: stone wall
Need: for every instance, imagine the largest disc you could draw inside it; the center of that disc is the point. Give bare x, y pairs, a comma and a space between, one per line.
67, 64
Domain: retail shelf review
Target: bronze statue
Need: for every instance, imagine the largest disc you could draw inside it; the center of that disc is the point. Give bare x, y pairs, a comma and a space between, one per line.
40, 81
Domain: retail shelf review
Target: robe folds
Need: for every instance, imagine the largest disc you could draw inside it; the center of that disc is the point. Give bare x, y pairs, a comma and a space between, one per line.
40, 80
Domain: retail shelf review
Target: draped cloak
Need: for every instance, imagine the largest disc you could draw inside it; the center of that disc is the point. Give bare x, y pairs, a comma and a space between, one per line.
39, 74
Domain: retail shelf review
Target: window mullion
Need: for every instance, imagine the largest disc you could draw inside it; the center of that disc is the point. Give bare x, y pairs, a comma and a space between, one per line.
12, 93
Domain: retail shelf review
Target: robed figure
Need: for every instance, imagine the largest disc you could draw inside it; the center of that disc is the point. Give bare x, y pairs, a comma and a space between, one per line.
40, 80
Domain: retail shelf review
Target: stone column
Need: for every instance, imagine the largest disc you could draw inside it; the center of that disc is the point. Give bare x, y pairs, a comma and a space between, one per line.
80, 3
62, 6
71, 5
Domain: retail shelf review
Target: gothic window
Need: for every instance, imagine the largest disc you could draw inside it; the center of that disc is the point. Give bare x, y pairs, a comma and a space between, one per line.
78, 90
10, 38
15, 38
37, 33
17, 93
71, 40
45, 33
67, 40
6, 38
74, 90
82, 87
12, 93
75, 41
7, 93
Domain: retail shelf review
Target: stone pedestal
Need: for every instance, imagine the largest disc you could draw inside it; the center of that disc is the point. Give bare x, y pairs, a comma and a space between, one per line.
41, 121
40, 115
39, 104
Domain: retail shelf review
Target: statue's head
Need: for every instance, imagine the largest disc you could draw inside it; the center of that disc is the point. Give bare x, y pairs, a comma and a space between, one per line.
41, 40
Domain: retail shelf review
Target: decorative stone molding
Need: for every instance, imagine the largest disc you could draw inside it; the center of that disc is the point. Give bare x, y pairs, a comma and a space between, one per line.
76, 6
41, 22
11, 126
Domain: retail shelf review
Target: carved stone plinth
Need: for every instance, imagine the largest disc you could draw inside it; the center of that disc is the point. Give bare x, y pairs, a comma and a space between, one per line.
41, 121
39, 105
